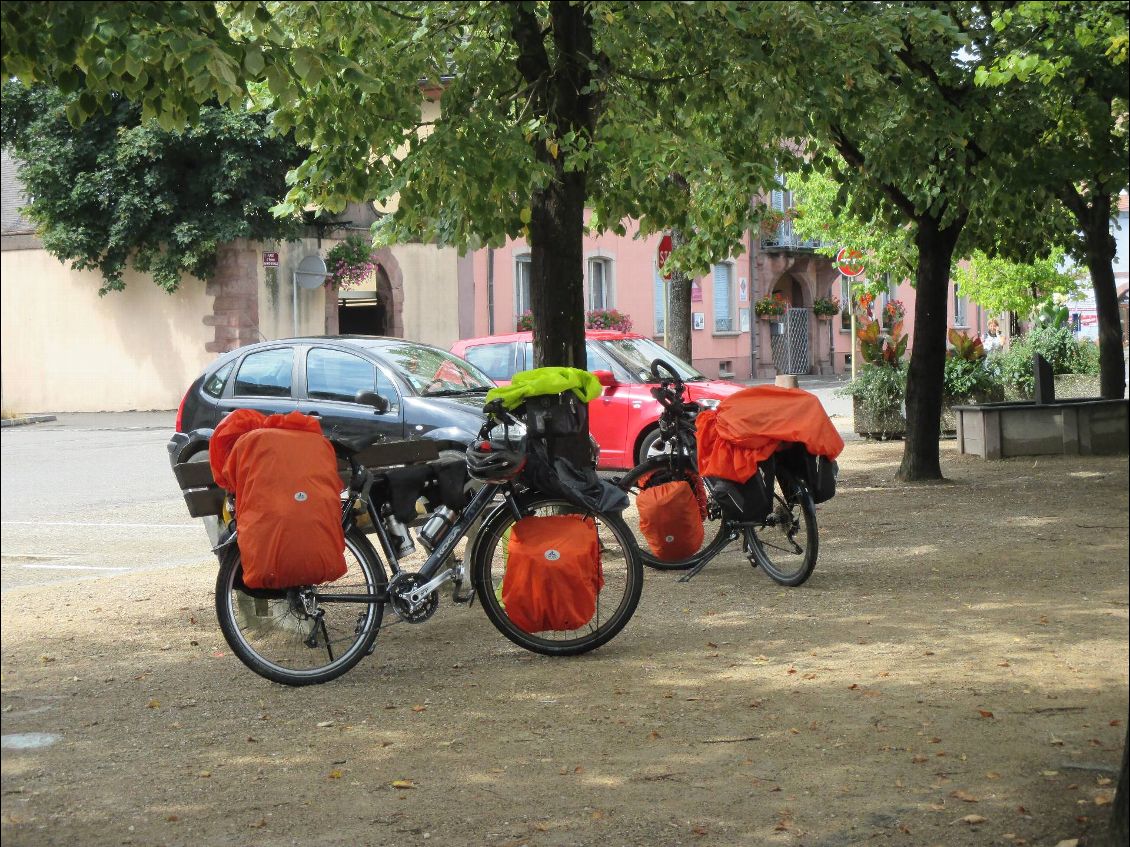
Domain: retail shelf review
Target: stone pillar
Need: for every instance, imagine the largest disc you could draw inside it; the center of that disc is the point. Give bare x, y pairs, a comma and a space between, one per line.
235, 285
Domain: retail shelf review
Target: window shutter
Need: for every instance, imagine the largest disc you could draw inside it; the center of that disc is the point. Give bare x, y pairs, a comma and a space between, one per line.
660, 311
722, 299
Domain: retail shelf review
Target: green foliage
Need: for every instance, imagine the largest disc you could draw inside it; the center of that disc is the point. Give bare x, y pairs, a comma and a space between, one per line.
998, 285
120, 191
1052, 315
966, 378
824, 213
1060, 348
826, 306
878, 388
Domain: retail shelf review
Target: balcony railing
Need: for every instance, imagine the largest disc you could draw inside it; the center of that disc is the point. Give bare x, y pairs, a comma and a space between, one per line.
786, 238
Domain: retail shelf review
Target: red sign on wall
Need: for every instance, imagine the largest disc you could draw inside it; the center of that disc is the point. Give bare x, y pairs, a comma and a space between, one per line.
270, 260
665, 248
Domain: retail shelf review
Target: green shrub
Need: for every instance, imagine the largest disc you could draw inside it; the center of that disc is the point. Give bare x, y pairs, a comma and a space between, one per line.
878, 388
1063, 351
966, 377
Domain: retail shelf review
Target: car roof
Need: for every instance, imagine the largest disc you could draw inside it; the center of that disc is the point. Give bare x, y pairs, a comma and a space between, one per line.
590, 334
360, 343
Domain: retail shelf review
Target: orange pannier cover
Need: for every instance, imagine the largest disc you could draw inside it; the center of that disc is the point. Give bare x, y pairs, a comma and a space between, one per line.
670, 520
749, 426
553, 573
283, 473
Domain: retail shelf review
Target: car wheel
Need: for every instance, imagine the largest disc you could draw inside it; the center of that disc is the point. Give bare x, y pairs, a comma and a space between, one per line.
650, 446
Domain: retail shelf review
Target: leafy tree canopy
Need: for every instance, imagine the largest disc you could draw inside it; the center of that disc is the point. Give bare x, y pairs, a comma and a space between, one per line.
998, 285
120, 190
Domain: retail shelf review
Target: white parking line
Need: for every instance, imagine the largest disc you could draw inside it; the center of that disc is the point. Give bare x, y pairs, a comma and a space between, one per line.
71, 568
108, 525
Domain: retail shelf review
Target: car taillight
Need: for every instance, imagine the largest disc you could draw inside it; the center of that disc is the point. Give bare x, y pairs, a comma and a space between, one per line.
180, 411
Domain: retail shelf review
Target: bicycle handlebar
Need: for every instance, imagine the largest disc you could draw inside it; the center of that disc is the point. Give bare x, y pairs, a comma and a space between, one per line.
656, 365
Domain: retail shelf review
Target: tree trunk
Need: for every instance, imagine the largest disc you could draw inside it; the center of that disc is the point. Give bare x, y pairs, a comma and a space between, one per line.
560, 91
1119, 837
557, 291
920, 457
679, 317
679, 310
1094, 220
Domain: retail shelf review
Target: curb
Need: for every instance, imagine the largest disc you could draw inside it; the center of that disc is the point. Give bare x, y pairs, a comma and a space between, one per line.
24, 421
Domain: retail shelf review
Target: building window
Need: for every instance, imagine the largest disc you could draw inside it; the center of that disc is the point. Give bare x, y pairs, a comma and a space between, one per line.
660, 304
600, 284
959, 308
723, 299
521, 285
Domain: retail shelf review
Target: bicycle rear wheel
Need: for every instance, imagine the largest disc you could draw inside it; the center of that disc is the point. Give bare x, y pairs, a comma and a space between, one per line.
274, 633
787, 543
615, 603
714, 536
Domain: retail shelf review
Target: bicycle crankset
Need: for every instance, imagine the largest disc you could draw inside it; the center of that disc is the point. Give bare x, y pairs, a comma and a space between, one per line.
399, 587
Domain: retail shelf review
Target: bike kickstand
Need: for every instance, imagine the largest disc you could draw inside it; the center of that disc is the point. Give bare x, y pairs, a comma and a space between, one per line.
689, 575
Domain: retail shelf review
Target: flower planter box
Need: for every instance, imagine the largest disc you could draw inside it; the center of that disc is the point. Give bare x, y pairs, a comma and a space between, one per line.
885, 425
949, 404
1071, 427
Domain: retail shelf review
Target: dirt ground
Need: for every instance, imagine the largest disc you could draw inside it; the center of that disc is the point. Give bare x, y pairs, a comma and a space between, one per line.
954, 673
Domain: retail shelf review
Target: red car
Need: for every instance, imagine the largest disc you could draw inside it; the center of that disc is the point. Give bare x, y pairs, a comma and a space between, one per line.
623, 419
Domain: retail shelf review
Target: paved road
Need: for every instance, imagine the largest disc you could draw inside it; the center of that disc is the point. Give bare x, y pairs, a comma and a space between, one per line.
92, 495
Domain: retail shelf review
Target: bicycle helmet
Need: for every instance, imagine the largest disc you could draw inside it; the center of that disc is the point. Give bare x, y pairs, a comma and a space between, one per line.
491, 463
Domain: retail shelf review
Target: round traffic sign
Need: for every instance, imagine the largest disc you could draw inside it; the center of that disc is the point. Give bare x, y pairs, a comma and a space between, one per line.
847, 262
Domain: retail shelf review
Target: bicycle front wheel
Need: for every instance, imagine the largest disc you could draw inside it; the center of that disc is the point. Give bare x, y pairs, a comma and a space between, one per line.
786, 544
615, 603
714, 537
306, 635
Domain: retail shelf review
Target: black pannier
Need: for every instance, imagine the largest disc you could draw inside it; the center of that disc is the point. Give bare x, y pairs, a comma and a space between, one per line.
750, 501
549, 415
818, 473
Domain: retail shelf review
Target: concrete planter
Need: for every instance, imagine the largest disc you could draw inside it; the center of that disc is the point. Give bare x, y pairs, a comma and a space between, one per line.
1073, 386
885, 425
1073, 427
949, 416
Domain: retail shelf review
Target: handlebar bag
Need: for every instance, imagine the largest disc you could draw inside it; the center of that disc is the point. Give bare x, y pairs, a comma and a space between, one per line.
670, 520
288, 498
553, 573
549, 415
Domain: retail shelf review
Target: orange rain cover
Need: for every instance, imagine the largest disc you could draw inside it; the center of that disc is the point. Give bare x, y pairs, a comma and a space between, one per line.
749, 426
553, 573
283, 474
670, 520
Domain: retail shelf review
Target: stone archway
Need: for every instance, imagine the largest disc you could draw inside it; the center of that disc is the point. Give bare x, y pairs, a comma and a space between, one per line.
367, 314
793, 290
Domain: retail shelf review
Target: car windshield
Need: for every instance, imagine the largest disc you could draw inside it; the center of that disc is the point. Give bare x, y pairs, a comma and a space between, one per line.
638, 354
434, 373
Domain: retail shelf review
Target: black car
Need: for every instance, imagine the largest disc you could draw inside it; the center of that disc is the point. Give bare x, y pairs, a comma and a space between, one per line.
360, 387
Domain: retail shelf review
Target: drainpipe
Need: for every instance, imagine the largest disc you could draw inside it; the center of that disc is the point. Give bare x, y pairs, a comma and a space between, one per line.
754, 331
490, 291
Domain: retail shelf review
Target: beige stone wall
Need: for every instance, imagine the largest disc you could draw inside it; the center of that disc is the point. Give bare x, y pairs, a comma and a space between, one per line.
431, 292
65, 349
276, 291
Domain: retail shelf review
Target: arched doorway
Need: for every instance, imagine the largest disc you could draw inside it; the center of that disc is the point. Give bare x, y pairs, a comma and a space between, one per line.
372, 310
790, 288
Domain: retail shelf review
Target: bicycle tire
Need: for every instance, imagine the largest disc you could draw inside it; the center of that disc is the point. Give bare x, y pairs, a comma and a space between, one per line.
271, 633
714, 539
793, 511
623, 580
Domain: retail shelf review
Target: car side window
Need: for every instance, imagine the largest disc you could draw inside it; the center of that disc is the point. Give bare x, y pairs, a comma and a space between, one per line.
334, 375
597, 361
214, 385
266, 373
495, 360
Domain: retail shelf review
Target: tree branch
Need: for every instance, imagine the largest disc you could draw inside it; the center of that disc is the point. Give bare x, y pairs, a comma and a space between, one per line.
854, 157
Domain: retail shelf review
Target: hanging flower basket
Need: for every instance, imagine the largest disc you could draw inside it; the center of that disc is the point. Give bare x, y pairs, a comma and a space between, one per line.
770, 308
825, 308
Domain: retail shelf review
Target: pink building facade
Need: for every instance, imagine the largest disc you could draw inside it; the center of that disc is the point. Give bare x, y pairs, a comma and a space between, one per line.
728, 340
